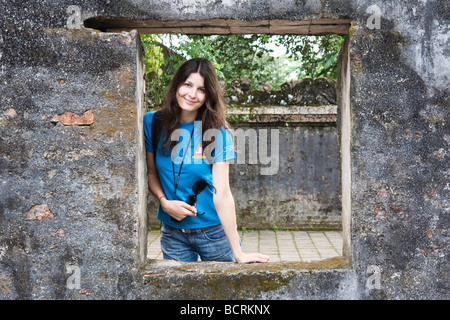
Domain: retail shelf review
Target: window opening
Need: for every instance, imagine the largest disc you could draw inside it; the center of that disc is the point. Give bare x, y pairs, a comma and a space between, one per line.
278, 83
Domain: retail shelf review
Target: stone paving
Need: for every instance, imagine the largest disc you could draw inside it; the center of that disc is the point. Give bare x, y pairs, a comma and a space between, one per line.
307, 246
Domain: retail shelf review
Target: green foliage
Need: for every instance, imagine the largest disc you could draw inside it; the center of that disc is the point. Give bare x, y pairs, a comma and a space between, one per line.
238, 56
234, 56
154, 73
317, 55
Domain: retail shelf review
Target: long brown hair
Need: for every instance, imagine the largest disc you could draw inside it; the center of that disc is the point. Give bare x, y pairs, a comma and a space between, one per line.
212, 113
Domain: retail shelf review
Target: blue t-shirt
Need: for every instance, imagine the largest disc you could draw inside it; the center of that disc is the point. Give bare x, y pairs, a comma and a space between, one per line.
195, 166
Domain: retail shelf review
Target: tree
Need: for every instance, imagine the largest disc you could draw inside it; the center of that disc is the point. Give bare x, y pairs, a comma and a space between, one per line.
317, 54
155, 77
238, 56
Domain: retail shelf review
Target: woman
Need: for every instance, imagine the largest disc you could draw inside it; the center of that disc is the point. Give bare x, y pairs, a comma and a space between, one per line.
188, 170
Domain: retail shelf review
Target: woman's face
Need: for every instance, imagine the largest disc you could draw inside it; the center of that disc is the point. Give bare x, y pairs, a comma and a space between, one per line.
191, 94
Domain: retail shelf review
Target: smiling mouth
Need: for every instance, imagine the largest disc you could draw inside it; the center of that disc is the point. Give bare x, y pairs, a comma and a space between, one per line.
189, 101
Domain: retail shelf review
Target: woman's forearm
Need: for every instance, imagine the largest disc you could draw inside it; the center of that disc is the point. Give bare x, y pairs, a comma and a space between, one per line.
178, 210
154, 185
225, 208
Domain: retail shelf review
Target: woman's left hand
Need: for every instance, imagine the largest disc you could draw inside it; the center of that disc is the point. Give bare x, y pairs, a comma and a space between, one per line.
251, 258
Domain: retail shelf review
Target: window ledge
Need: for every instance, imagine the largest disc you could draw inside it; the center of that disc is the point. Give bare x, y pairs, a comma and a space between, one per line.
226, 280
162, 268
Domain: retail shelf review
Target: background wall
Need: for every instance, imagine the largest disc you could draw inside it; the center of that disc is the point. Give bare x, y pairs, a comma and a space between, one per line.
304, 193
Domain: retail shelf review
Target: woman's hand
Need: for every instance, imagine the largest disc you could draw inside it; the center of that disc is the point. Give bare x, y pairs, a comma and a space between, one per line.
251, 257
178, 209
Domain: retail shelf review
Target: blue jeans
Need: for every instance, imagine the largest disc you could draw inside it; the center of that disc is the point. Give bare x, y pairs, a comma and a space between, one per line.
210, 245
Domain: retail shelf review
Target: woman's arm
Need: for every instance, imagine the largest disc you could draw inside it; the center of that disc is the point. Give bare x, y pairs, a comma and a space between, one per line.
176, 209
224, 203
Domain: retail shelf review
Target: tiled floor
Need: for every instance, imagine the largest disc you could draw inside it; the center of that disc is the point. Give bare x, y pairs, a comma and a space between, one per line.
280, 245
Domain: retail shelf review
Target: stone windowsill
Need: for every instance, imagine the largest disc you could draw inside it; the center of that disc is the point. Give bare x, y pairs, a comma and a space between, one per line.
160, 268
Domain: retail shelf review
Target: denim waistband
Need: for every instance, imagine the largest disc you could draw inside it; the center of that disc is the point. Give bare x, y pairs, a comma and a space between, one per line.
199, 230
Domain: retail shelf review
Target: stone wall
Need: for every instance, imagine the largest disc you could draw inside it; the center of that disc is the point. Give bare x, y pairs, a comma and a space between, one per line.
69, 147
300, 189
72, 197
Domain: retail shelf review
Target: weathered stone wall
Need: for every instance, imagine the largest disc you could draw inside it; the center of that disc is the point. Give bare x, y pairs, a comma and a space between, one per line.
71, 196
69, 148
301, 188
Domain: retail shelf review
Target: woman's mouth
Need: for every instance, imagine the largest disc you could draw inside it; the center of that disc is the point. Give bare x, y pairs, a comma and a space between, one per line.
189, 101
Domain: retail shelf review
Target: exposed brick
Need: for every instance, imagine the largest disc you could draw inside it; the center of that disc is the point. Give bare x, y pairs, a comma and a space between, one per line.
71, 119
39, 212
58, 233
10, 113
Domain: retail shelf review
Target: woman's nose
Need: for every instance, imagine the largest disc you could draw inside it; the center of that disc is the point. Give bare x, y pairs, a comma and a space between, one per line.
192, 93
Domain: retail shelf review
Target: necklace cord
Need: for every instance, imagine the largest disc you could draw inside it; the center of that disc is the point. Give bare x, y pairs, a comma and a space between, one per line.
181, 165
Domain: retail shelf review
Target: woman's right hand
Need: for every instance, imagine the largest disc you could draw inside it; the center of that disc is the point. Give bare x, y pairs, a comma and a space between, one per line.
178, 209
